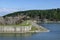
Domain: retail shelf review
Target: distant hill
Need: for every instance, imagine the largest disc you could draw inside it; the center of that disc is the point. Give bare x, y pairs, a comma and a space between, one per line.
51, 14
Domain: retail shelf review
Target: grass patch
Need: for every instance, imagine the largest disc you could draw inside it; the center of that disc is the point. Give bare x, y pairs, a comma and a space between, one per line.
24, 23
33, 28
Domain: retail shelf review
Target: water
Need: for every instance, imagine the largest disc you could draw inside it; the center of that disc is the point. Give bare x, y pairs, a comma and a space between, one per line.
54, 34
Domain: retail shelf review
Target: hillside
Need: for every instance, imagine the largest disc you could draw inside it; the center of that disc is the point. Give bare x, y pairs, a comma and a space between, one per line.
51, 14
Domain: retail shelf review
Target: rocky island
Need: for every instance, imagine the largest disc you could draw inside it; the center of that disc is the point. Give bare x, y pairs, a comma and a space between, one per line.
19, 24
27, 21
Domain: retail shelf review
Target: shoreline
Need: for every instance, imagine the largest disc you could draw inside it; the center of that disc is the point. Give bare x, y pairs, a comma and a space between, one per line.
48, 22
27, 32
14, 31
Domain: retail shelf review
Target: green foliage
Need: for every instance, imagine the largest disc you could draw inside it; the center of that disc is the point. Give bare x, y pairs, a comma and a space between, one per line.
33, 28
25, 23
48, 14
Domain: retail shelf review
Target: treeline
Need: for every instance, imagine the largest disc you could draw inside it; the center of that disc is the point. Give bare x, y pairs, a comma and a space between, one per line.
50, 14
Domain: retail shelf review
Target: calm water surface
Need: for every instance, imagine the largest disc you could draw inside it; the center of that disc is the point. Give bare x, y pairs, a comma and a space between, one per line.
54, 34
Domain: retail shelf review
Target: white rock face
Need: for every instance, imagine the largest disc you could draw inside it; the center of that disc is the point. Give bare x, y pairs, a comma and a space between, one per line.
8, 29
15, 29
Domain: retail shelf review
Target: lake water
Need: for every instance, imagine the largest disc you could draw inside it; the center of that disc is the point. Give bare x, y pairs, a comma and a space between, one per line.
54, 34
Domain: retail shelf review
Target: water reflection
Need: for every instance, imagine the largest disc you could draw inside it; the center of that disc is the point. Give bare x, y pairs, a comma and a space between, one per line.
16, 34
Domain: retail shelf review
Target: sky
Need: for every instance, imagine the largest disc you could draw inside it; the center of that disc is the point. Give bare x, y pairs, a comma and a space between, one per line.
9, 6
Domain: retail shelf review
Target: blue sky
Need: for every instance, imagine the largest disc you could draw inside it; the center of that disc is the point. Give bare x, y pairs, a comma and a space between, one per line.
8, 6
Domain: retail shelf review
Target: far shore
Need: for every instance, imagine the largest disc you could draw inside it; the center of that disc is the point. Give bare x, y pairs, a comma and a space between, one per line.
48, 22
